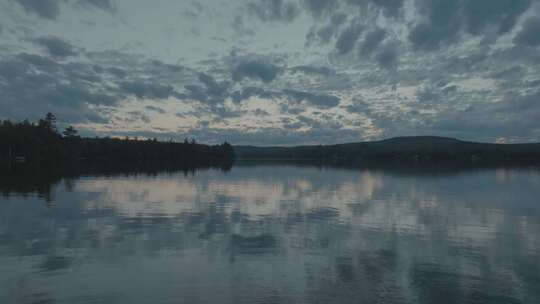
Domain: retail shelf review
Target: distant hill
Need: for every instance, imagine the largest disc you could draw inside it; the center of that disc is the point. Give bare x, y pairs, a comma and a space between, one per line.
400, 149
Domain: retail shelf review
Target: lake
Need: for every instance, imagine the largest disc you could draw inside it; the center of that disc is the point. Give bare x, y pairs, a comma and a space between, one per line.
274, 233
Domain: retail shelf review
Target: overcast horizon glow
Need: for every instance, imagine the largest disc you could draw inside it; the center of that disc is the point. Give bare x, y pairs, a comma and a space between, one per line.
275, 72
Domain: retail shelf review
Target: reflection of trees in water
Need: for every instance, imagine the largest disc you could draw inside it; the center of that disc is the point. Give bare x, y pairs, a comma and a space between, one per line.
28, 180
41, 180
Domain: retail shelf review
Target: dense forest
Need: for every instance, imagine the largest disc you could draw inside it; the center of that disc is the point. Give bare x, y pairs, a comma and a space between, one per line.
43, 142
419, 149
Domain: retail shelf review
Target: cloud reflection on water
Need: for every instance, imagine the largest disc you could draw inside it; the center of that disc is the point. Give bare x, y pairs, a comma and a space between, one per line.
278, 234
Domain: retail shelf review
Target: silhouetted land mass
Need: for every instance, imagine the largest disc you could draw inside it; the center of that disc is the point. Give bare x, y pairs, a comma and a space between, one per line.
42, 142
419, 149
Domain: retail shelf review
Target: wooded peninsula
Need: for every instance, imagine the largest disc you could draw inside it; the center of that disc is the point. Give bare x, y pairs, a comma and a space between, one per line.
41, 141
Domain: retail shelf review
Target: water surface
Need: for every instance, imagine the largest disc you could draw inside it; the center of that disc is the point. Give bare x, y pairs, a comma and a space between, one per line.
274, 234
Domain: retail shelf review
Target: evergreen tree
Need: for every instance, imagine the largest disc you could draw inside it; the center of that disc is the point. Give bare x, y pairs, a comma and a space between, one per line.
50, 120
70, 132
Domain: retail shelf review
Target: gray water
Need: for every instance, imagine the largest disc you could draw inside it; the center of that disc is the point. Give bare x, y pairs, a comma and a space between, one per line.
275, 234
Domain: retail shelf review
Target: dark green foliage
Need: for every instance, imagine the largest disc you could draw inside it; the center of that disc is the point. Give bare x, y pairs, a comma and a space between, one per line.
42, 142
70, 132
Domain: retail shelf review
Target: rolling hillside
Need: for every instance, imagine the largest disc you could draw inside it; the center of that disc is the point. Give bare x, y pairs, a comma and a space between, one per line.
400, 149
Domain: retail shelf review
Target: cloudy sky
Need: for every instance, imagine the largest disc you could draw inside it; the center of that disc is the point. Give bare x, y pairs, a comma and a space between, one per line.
275, 71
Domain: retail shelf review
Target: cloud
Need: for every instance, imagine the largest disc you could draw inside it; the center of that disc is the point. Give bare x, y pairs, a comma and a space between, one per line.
274, 10
320, 8
515, 73
388, 56
106, 5
248, 92
433, 94
348, 37
390, 8
514, 118
324, 34
372, 41
530, 33
196, 92
334, 53
117, 72
147, 89
77, 90
213, 87
445, 20
136, 116
318, 100
265, 136
211, 92
254, 69
441, 25
214, 94
358, 106
240, 28
260, 112
521, 104
313, 70
503, 14
56, 47
428, 37
155, 109
48, 9
32, 85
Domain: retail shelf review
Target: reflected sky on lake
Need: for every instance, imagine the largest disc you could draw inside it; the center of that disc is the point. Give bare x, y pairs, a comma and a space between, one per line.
276, 234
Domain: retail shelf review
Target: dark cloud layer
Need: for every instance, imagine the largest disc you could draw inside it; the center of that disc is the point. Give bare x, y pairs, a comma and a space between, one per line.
323, 35
147, 89
50, 9
320, 8
503, 14
445, 20
441, 24
530, 33
348, 37
388, 56
390, 8
515, 118
56, 47
372, 41
317, 100
255, 69
106, 5
274, 10
210, 91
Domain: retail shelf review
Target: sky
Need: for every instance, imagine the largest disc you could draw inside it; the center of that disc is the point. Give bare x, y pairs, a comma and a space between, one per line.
275, 72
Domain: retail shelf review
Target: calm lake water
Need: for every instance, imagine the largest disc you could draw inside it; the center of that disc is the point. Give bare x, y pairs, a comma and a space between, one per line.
274, 234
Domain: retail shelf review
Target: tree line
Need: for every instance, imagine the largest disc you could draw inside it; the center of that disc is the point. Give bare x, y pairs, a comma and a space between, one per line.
416, 149
42, 141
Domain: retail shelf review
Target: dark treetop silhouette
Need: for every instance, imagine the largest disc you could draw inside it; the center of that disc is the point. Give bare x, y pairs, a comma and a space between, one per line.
41, 141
